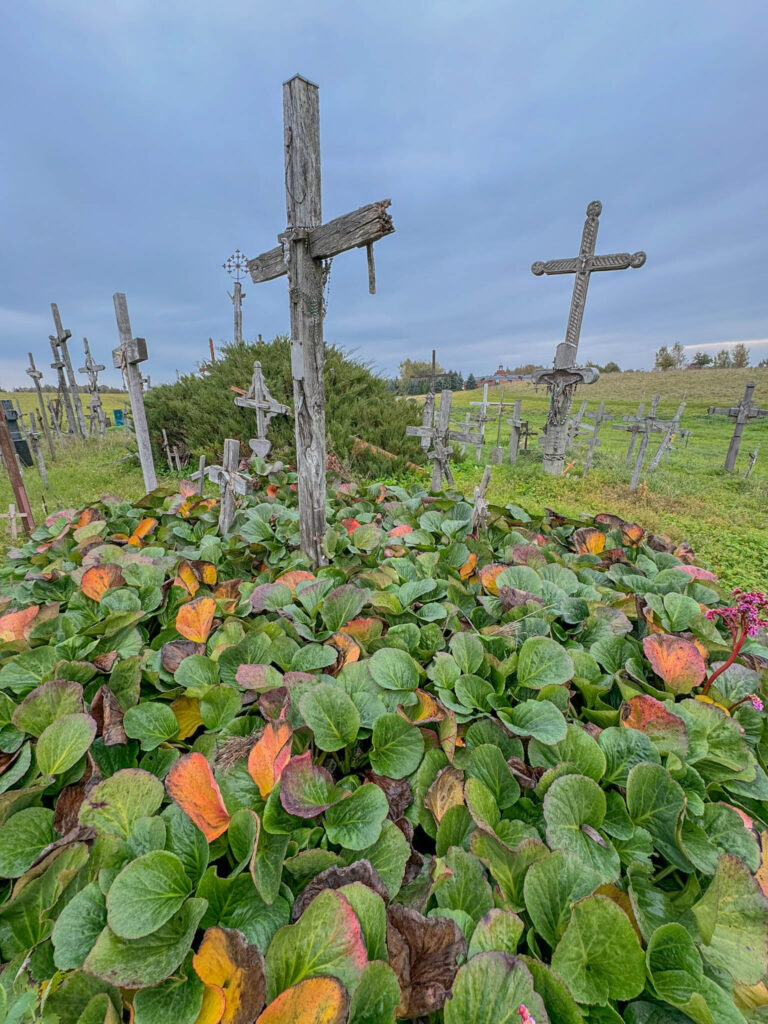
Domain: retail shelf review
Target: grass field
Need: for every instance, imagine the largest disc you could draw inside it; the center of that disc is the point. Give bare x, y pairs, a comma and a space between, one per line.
724, 516
28, 400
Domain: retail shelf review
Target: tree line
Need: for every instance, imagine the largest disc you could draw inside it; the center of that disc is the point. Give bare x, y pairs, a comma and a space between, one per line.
674, 357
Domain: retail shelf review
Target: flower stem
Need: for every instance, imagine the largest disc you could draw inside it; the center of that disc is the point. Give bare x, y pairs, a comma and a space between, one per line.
726, 664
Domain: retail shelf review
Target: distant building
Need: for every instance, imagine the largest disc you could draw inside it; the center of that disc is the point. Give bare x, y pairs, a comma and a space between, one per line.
501, 376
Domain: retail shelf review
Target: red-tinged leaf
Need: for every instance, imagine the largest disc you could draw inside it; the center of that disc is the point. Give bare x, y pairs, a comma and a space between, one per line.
145, 527
631, 534
270, 755
588, 541
676, 660
88, 515
190, 783
609, 519
528, 554
697, 573
350, 525
274, 704
16, 625
256, 677
364, 630
488, 575
400, 531
194, 620
335, 878
293, 578
228, 962
97, 581
423, 953
306, 789
664, 728
272, 490
187, 488
312, 1001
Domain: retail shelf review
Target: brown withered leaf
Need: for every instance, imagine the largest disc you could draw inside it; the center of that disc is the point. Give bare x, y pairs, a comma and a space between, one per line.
511, 597
613, 555
445, 792
175, 651
105, 662
70, 798
608, 519
406, 827
273, 704
397, 791
422, 953
106, 710
527, 777
334, 878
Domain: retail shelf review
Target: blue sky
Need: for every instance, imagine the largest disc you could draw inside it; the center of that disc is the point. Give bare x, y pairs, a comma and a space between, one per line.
143, 144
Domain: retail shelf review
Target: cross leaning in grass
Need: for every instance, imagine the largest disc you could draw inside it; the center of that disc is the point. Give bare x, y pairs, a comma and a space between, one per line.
229, 480
743, 412
565, 375
60, 342
36, 376
304, 252
265, 406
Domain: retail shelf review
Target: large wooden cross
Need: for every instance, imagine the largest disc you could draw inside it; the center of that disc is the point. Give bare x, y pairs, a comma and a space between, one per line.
265, 406
438, 438
92, 369
565, 375
743, 412
131, 352
37, 376
229, 480
303, 252
60, 340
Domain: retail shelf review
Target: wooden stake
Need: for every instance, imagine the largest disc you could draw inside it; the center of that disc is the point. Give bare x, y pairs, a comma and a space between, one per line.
127, 357
14, 473
36, 376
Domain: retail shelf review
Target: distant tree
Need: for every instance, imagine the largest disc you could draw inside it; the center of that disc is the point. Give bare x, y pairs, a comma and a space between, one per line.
412, 368
722, 360
678, 354
611, 367
740, 356
527, 368
471, 382
700, 360
664, 359
763, 362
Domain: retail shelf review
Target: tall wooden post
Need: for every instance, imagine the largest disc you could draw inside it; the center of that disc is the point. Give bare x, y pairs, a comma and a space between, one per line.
14, 473
61, 341
58, 366
127, 357
36, 376
301, 119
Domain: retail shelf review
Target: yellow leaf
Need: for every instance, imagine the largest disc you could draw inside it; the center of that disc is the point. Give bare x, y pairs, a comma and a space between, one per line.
187, 711
312, 1001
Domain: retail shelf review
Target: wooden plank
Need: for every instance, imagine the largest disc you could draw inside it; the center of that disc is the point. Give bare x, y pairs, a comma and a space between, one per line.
130, 352
362, 227
14, 473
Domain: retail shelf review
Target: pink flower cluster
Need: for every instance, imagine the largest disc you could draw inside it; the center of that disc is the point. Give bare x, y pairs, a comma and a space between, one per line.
524, 1015
746, 618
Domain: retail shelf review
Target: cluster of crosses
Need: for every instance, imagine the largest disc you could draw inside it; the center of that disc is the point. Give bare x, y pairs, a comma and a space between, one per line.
303, 254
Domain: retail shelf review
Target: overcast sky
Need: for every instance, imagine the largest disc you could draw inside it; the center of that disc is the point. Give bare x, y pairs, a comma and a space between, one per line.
142, 143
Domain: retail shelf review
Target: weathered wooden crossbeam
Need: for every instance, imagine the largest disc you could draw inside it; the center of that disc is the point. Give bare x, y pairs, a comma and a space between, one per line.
350, 231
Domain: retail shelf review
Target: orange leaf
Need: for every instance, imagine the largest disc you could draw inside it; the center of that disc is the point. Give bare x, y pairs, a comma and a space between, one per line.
145, 527
194, 620
226, 961
664, 728
191, 784
14, 625
349, 651
676, 660
761, 875
426, 709
269, 756
97, 581
212, 1009
588, 540
469, 566
272, 490
186, 578
488, 575
312, 1001
293, 578
228, 594
206, 572
350, 525
88, 515
187, 711
631, 534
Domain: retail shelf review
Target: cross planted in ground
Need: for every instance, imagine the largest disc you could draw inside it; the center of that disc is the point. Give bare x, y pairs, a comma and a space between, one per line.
305, 247
741, 414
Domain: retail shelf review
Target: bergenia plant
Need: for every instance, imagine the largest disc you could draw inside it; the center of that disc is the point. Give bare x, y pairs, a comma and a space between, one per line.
743, 620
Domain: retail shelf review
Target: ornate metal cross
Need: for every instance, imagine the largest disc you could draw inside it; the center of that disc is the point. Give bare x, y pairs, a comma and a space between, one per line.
565, 375
741, 414
235, 265
265, 407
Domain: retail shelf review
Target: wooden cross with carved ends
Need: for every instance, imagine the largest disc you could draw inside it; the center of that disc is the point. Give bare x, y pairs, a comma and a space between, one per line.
565, 375
265, 406
741, 414
304, 252
439, 439
229, 481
